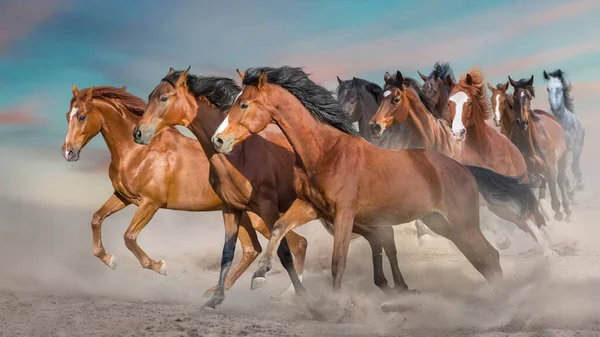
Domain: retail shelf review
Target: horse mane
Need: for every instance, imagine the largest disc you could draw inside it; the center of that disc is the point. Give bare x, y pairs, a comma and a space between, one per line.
522, 84
414, 85
567, 98
315, 98
374, 89
477, 90
219, 91
132, 103
442, 70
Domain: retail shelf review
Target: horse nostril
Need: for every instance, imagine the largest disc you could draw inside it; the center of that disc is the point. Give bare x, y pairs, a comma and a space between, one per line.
137, 134
218, 142
376, 128
463, 132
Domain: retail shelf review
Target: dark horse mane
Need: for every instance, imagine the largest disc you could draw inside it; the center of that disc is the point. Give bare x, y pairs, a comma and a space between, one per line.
567, 98
442, 70
220, 91
414, 85
315, 98
522, 83
372, 88
132, 103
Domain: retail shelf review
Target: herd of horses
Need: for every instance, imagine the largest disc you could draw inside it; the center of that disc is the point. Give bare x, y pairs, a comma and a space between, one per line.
281, 151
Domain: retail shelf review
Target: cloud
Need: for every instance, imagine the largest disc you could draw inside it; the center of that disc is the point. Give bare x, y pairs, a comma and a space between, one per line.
22, 114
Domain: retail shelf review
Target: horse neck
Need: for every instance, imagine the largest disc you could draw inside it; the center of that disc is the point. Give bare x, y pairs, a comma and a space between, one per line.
441, 107
367, 111
116, 129
477, 132
204, 125
506, 126
430, 132
310, 139
523, 139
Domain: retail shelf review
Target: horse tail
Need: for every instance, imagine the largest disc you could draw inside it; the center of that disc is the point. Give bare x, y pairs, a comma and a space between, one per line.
499, 190
329, 228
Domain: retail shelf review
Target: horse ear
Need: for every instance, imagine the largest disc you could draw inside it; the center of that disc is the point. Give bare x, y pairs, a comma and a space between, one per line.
490, 86
399, 77
469, 79
262, 79
423, 77
512, 82
387, 76
449, 82
339, 80
89, 95
182, 77
505, 86
530, 82
546, 77
171, 70
241, 74
354, 81
75, 90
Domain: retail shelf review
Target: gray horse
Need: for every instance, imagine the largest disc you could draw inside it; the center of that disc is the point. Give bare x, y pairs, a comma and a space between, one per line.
561, 105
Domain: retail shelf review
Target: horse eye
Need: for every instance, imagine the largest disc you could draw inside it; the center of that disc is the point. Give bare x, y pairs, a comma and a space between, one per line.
395, 100
164, 99
244, 106
81, 118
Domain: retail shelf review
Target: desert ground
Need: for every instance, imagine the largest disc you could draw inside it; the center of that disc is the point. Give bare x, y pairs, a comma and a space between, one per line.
52, 285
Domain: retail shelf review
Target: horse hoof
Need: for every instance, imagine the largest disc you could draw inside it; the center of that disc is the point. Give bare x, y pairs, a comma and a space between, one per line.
213, 302
258, 282
558, 216
551, 254
502, 245
163, 268
112, 262
424, 239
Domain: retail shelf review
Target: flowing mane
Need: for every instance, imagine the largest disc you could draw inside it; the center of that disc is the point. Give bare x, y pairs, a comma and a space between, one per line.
567, 98
220, 91
477, 90
442, 70
315, 98
414, 85
372, 88
132, 103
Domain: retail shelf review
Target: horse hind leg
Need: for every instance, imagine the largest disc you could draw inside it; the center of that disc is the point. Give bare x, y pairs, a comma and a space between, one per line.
111, 206
575, 168
386, 236
465, 233
376, 251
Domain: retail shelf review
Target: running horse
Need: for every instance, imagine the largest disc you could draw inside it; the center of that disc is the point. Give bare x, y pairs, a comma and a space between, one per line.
152, 177
347, 179
561, 106
406, 103
436, 90
258, 178
542, 142
502, 103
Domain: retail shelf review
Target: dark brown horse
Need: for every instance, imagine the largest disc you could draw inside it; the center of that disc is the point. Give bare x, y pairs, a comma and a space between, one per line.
346, 179
502, 104
436, 90
152, 177
403, 103
257, 178
542, 141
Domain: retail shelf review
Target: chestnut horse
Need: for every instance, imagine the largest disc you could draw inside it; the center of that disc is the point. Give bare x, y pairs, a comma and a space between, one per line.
405, 103
502, 104
347, 179
257, 178
541, 139
436, 90
152, 177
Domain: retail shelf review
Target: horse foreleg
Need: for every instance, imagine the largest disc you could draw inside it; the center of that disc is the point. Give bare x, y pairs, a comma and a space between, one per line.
231, 219
376, 251
551, 178
575, 168
386, 236
299, 213
111, 206
342, 231
562, 179
142, 216
251, 249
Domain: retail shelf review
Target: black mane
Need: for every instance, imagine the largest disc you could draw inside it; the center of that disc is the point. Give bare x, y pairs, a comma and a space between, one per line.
374, 89
522, 84
441, 70
566, 89
316, 99
220, 91
414, 85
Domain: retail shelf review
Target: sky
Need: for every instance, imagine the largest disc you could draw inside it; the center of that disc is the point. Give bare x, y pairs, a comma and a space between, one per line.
46, 46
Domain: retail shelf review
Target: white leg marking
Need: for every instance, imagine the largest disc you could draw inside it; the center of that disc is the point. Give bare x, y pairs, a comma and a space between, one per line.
542, 242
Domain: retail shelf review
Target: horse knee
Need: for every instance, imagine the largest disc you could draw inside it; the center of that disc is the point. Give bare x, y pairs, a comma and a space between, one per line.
98, 251
252, 254
97, 219
130, 239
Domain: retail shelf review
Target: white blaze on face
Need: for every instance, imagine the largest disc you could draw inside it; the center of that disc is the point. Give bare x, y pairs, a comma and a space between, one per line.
386, 93
72, 114
459, 99
522, 93
497, 107
236, 97
224, 124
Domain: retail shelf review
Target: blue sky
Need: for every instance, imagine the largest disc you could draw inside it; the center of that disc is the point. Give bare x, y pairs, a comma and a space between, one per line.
46, 46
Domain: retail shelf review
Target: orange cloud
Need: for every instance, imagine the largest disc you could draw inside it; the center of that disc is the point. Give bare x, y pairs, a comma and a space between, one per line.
18, 116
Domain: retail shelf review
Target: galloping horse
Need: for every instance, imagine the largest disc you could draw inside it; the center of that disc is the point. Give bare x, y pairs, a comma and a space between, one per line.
405, 103
153, 176
502, 103
561, 106
359, 98
347, 179
436, 90
257, 178
542, 141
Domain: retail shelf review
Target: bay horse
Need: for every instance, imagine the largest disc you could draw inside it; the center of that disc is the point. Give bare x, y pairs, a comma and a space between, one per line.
406, 103
347, 179
502, 103
543, 143
259, 178
561, 106
152, 177
436, 90
360, 98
